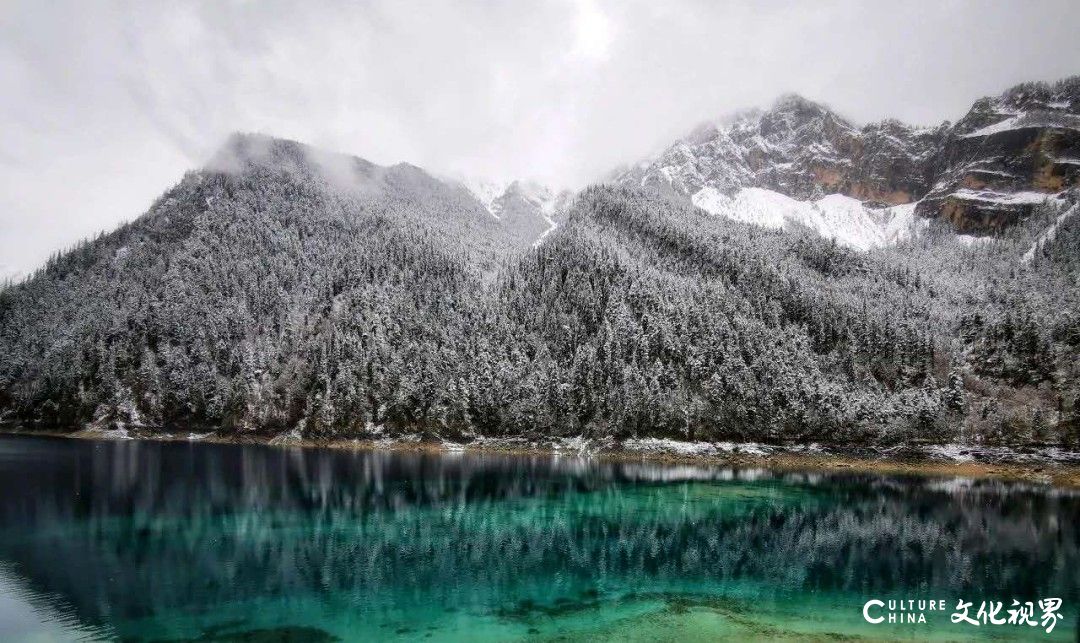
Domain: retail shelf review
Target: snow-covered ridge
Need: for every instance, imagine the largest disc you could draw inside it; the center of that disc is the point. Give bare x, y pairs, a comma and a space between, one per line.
531, 208
799, 148
835, 216
1023, 120
548, 203
794, 165
492, 194
543, 197
986, 162
486, 192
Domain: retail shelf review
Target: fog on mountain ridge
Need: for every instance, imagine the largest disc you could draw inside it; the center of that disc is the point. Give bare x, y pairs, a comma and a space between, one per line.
109, 105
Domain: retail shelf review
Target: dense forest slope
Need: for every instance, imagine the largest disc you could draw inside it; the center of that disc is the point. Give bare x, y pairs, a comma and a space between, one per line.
285, 289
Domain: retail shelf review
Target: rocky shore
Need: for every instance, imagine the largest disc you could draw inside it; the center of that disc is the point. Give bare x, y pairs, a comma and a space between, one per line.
1034, 464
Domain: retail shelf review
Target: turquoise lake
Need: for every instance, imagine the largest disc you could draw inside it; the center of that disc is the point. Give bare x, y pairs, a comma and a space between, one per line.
169, 541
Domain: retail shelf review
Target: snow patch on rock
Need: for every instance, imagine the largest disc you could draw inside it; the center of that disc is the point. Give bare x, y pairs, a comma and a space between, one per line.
1022, 120
1003, 198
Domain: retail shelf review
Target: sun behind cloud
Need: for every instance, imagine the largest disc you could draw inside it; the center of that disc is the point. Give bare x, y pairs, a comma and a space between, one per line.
593, 32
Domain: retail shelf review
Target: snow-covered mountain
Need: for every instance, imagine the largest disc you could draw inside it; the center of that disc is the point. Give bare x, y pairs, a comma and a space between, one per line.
283, 289
800, 163
1006, 156
799, 148
529, 209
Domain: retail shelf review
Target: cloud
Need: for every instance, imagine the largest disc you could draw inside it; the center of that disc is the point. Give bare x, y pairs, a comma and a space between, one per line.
106, 104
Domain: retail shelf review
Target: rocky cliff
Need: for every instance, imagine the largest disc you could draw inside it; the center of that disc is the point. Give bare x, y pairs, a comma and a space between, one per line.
1006, 156
982, 174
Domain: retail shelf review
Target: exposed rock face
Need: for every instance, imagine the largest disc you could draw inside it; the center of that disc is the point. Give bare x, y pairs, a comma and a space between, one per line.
982, 174
895, 163
1006, 155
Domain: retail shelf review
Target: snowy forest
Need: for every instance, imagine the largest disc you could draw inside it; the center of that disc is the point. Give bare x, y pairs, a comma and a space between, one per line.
276, 290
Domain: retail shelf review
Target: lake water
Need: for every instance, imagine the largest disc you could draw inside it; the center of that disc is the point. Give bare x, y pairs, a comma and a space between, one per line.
176, 541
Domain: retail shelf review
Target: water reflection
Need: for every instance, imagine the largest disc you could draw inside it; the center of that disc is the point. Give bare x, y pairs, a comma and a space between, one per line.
126, 534
26, 614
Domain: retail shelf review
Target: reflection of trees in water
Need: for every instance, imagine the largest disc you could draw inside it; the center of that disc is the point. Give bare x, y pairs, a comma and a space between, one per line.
166, 525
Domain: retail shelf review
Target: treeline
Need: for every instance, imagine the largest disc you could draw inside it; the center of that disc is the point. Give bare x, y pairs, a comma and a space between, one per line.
269, 299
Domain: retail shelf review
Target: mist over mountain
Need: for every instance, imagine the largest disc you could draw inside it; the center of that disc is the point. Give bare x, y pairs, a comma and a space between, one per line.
783, 276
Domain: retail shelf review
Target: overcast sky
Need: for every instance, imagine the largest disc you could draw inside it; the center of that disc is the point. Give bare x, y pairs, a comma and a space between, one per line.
104, 105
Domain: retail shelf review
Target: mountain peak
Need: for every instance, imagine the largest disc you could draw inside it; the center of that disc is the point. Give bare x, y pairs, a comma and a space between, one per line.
983, 173
705, 131
801, 107
792, 100
243, 149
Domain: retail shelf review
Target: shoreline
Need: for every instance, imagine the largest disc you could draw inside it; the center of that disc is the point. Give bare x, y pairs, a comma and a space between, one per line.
1046, 466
